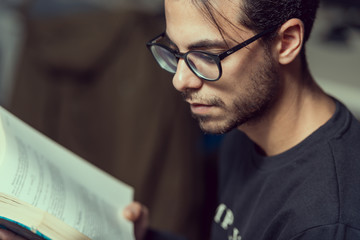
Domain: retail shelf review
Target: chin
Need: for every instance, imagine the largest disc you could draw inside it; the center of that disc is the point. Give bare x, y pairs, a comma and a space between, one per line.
216, 127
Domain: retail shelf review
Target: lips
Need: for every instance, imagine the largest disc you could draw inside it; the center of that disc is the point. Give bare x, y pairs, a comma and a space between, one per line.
200, 109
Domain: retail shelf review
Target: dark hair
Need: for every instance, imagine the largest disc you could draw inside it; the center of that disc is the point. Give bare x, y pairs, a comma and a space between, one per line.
259, 15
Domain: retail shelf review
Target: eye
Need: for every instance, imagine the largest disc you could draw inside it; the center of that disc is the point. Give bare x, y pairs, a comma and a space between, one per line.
202, 57
206, 58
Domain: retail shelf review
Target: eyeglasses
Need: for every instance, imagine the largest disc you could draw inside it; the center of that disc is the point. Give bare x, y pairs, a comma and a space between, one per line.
206, 66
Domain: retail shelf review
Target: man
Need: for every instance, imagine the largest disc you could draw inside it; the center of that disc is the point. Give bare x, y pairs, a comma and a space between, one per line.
289, 169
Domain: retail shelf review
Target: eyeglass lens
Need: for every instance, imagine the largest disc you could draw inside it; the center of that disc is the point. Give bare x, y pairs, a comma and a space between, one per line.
165, 58
202, 64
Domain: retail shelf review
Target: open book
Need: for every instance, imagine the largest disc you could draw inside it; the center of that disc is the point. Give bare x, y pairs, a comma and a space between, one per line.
47, 192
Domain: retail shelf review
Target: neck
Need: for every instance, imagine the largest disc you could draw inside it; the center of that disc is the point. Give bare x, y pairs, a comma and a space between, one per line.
297, 112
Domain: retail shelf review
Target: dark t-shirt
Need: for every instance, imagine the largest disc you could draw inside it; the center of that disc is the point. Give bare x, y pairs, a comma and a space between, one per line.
311, 191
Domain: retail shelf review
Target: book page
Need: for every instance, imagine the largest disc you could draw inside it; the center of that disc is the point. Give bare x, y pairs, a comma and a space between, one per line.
46, 175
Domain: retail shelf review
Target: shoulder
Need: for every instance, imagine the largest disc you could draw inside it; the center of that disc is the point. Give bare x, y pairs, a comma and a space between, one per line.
344, 149
346, 157
336, 231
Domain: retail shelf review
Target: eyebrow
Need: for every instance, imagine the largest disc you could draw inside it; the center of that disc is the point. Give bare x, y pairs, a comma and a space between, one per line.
202, 44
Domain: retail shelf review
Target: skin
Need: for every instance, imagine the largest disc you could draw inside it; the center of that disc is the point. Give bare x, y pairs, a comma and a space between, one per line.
298, 105
244, 88
276, 109
139, 215
264, 93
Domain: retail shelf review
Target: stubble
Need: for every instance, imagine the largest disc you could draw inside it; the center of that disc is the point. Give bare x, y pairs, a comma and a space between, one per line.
249, 107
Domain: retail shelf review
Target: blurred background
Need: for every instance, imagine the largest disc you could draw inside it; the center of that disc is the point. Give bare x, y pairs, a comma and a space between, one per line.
334, 51
79, 71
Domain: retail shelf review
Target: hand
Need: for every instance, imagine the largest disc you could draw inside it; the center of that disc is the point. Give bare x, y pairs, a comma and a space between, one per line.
139, 215
7, 235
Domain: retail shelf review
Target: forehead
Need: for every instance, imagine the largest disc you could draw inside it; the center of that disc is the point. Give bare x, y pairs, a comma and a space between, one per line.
187, 20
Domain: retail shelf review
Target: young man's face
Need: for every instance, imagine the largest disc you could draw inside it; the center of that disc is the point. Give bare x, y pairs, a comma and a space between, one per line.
249, 81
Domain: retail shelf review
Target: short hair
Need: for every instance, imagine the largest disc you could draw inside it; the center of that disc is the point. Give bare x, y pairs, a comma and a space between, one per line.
259, 15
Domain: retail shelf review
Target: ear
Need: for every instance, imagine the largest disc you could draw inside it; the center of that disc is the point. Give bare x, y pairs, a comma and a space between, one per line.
290, 40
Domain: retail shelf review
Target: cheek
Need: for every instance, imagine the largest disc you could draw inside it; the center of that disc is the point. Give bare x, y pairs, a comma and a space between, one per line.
239, 66
235, 79
239, 69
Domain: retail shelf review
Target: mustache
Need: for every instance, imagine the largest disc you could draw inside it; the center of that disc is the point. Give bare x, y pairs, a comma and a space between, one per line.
190, 95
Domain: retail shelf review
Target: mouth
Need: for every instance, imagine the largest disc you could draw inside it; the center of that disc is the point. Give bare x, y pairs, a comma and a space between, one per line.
201, 109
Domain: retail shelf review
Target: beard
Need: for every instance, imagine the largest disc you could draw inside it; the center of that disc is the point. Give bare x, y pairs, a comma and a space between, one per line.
257, 98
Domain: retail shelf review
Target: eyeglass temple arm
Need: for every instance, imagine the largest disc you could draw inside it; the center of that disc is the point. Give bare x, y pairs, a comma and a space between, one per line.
247, 42
156, 38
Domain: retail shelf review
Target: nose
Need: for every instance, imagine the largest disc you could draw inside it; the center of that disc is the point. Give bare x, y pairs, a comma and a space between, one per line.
185, 79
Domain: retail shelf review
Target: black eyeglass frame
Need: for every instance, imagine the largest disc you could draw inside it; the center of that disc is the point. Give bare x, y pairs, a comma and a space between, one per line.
216, 57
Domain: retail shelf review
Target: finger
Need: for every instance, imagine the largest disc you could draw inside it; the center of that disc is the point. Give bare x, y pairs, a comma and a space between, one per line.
7, 235
134, 211
139, 215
